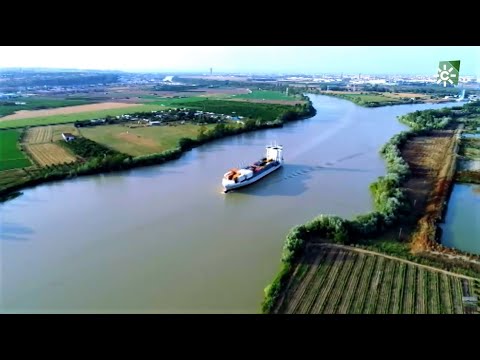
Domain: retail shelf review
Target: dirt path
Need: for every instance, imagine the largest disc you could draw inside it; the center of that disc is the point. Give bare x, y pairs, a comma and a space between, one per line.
396, 259
434, 165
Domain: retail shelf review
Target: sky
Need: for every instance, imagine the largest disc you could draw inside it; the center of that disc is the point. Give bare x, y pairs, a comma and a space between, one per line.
246, 59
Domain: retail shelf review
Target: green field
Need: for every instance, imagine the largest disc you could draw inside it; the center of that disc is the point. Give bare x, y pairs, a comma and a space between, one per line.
265, 95
11, 157
37, 104
59, 119
330, 279
172, 102
367, 98
267, 112
142, 140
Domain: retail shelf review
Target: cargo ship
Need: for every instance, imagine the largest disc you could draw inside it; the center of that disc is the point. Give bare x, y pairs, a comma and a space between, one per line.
236, 178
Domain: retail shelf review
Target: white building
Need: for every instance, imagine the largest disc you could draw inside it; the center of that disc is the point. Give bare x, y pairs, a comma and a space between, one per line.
68, 137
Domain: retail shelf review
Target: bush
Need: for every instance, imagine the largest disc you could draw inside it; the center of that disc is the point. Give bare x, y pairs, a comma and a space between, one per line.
87, 148
187, 143
329, 227
293, 243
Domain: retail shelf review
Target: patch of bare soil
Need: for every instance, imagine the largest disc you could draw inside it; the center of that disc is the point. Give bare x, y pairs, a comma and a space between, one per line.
432, 162
137, 140
25, 114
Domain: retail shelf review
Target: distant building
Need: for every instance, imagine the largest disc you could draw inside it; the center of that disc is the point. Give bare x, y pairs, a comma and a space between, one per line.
68, 137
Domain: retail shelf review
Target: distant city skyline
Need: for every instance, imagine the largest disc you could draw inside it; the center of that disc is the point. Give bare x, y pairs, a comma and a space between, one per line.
386, 60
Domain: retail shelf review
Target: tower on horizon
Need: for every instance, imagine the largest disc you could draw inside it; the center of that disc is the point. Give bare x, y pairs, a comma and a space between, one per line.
211, 71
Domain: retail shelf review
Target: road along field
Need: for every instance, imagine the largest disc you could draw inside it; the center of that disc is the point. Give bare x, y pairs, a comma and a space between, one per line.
333, 279
11, 155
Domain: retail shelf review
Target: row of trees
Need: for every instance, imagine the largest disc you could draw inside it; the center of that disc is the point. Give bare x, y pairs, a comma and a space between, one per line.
87, 148
428, 119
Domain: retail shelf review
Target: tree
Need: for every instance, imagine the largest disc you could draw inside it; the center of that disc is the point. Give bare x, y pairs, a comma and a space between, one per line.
202, 133
219, 130
250, 124
186, 143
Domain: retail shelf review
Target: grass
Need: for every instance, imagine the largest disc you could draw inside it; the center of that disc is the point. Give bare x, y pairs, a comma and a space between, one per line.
11, 157
70, 118
9, 178
267, 112
367, 98
344, 280
142, 140
174, 101
373, 98
37, 103
470, 148
265, 95
218, 105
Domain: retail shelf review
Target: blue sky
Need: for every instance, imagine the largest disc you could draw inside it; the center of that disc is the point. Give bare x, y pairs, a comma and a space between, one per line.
255, 59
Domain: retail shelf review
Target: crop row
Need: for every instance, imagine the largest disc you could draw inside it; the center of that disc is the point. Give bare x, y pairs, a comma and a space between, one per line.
338, 281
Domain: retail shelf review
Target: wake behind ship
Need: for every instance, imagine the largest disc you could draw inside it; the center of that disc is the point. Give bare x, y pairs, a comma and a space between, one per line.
247, 175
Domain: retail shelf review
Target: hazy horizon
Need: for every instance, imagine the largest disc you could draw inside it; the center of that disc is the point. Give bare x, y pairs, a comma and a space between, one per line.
308, 60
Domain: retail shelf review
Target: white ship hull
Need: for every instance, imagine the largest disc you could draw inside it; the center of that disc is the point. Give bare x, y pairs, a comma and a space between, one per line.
237, 178
228, 187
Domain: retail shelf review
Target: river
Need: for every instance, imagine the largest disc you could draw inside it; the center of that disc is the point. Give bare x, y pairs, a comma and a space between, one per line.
462, 221
164, 239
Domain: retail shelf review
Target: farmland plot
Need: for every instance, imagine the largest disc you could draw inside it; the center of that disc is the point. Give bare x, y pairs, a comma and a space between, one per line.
49, 154
332, 279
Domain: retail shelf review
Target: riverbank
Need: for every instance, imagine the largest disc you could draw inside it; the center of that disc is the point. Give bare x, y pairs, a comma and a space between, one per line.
24, 178
468, 177
391, 203
377, 99
469, 167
